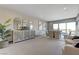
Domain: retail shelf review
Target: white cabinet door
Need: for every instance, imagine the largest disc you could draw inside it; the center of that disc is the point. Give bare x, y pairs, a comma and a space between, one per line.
26, 34
18, 36
21, 35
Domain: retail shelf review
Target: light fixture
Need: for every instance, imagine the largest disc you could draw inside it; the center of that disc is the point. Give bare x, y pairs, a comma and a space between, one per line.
65, 8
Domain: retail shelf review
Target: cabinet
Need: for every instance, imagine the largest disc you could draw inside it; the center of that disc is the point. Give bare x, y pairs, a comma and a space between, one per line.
20, 35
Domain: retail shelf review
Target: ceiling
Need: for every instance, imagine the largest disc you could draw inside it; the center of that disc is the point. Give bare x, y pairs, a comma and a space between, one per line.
48, 12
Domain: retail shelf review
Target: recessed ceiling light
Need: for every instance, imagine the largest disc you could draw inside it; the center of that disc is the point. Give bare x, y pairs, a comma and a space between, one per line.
65, 8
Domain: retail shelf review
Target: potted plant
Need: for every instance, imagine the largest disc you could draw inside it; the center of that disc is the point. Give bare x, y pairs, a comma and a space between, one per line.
4, 33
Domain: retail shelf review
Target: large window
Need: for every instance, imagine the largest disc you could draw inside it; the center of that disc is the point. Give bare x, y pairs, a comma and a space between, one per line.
65, 27
55, 26
62, 27
71, 26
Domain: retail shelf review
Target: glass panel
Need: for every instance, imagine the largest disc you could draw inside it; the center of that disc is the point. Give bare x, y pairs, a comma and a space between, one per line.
44, 26
62, 27
55, 26
40, 25
31, 26
71, 26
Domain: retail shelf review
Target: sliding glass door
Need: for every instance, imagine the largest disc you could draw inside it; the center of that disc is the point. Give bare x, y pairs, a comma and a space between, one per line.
65, 27
71, 27
62, 27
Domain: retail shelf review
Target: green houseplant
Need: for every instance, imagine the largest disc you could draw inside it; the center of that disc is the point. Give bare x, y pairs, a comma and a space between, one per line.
4, 32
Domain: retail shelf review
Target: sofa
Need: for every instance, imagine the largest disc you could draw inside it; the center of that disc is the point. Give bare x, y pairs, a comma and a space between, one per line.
69, 48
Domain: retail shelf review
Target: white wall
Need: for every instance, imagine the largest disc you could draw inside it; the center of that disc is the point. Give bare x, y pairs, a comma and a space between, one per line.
6, 14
